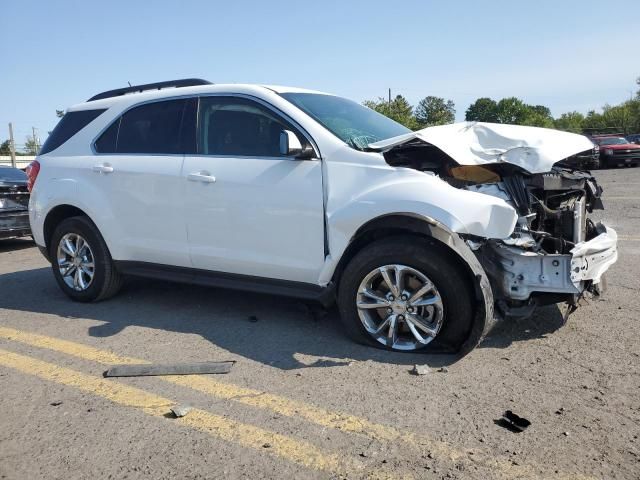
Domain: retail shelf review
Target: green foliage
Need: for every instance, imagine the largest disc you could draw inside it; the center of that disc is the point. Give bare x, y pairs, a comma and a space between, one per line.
435, 111
512, 110
5, 148
30, 146
399, 110
625, 117
570, 122
482, 110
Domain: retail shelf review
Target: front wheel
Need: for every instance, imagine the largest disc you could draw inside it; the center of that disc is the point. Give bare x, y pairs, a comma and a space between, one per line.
406, 294
81, 261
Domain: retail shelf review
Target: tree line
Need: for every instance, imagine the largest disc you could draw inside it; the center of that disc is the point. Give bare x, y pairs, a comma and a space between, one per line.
430, 111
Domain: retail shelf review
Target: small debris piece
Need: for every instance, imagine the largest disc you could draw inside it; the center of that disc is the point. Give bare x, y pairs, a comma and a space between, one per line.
515, 422
420, 369
266, 445
181, 410
56, 403
253, 318
363, 454
169, 369
566, 434
443, 370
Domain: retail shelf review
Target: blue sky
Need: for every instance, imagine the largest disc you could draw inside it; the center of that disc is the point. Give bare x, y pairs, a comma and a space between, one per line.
568, 55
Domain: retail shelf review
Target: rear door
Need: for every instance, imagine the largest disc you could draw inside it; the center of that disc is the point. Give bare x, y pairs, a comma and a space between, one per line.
138, 164
249, 209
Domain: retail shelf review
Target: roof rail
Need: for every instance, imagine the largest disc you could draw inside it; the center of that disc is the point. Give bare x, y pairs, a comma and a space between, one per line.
185, 82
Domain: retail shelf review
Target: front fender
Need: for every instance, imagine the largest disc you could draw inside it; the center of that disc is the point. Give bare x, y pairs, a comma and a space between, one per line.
424, 196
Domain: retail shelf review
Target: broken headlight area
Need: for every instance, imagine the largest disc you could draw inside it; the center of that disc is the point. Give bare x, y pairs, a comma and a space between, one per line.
556, 253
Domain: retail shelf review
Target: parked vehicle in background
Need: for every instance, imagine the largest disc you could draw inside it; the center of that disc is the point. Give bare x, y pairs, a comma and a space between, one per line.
635, 138
423, 238
617, 151
587, 160
14, 203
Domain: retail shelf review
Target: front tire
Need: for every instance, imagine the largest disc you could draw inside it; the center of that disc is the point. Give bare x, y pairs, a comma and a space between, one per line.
406, 293
81, 262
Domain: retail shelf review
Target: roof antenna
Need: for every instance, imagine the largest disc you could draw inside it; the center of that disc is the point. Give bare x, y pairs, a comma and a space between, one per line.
129, 82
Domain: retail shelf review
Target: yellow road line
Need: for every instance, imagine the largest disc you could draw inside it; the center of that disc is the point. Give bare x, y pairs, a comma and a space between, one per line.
296, 451
226, 391
628, 238
281, 405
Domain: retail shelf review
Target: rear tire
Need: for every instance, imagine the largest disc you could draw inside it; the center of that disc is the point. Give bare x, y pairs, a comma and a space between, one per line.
416, 261
81, 262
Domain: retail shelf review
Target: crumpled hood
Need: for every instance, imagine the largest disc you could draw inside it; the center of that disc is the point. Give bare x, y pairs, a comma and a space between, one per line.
534, 149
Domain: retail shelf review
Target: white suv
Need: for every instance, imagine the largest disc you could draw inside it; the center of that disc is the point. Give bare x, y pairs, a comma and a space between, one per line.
424, 238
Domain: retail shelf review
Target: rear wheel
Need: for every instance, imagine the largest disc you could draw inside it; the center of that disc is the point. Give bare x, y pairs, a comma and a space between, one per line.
81, 261
406, 294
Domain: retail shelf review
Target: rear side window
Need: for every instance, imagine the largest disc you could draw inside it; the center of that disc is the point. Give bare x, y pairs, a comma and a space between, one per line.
153, 128
67, 127
108, 140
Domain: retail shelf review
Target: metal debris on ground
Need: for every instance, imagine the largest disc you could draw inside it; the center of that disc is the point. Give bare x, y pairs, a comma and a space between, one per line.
169, 369
56, 403
514, 422
420, 369
181, 410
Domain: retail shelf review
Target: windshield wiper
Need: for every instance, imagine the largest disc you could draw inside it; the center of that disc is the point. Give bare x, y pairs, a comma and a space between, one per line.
353, 144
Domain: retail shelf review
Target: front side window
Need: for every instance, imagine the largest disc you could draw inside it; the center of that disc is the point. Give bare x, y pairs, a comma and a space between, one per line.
239, 127
354, 124
152, 128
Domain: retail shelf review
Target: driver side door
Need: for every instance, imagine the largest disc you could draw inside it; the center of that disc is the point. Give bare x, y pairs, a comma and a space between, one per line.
249, 209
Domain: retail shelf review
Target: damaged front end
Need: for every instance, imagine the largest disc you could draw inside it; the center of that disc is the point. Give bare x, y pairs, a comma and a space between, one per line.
556, 253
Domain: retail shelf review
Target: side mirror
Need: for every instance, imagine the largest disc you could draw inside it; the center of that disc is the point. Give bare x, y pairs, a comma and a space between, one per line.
289, 144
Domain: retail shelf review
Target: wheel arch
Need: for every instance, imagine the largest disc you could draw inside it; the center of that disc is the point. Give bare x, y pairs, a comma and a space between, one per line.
459, 252
57, 215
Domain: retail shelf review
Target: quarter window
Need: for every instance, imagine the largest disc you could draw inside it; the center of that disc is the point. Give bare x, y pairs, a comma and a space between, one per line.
239, 127
67, 127
153, 128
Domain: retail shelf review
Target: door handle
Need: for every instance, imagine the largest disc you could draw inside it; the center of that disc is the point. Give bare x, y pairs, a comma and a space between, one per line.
104, 168
203, 177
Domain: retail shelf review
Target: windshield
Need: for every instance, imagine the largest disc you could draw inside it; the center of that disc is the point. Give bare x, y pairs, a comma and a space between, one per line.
354, 124
613, 141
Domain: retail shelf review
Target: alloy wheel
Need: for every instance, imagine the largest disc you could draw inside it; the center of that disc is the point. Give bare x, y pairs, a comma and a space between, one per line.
400, 307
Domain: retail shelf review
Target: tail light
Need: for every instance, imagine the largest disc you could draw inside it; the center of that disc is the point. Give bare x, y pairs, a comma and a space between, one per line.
32, 171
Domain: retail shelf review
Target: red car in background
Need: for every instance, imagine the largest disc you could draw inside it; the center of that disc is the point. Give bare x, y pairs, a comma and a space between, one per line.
617, 151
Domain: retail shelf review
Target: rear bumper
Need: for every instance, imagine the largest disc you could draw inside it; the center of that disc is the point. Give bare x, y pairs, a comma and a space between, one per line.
14, 223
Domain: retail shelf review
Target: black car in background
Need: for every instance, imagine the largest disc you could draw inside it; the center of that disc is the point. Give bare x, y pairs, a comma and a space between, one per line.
14, 203
587, 160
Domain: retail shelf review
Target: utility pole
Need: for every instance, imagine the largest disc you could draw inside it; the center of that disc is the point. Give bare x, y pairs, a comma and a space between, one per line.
389, 98
12, 146
35, 140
